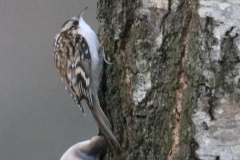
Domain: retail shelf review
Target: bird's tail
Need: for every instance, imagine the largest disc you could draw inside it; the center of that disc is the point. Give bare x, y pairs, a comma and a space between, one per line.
103, 123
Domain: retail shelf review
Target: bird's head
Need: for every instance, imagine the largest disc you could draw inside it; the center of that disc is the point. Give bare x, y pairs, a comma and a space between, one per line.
74, 23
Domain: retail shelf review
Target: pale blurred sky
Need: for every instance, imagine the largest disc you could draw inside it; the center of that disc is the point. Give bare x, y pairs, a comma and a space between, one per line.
39, 121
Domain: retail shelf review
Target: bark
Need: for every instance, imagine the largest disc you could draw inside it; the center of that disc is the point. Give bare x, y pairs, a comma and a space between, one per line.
173, 89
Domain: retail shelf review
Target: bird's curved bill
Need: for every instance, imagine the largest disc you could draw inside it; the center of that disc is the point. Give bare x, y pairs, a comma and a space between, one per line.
81, 13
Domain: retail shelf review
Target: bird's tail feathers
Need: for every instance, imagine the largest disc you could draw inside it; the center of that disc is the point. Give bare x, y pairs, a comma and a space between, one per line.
104, 124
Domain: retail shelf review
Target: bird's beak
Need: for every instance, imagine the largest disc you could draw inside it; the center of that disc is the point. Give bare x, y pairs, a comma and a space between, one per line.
81, 13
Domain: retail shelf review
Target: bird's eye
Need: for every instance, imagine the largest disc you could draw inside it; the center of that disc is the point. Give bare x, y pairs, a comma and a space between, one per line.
75, 23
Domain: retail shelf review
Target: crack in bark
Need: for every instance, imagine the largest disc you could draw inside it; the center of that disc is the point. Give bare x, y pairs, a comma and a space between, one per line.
125, 34
194, 146
211, 109
183, 85
205, 126
167, 14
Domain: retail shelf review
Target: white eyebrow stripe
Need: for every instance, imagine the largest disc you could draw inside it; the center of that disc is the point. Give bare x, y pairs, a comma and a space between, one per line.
67, 26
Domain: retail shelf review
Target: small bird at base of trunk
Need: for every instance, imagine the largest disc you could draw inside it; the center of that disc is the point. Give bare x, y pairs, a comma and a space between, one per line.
86, 150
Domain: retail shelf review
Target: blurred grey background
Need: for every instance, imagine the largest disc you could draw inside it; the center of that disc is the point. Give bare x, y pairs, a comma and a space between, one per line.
38, 119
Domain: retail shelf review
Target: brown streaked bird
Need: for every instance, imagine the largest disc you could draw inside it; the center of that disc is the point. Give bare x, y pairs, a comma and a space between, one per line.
86, 150
79, 60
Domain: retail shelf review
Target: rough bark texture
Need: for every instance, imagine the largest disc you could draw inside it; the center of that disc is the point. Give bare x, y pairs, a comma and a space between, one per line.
173, 89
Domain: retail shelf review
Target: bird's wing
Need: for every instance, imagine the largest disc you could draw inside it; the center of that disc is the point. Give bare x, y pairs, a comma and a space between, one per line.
82, 69
73, 60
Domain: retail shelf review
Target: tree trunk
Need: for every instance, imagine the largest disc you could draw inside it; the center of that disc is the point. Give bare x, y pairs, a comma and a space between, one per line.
172, 91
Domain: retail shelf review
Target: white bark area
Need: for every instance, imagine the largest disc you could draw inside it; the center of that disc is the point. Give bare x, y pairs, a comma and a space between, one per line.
163, 4
221, 137
227, 14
